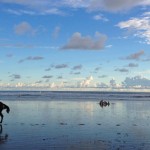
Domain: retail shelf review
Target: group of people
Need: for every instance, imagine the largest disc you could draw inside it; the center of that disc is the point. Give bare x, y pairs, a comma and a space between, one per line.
104, 103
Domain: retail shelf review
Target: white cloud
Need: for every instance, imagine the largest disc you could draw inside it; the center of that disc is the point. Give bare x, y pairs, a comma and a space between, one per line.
100, 17
79, 42
102, 85
56, 32
86, 82
57, 85
20, 12
51, 6
137, 81
24, 28
140, 26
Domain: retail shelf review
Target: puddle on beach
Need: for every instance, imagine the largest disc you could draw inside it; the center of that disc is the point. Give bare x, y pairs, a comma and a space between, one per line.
44, 125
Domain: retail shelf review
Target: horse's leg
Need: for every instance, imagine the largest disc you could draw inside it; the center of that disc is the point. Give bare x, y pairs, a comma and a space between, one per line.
1, 117
1, 129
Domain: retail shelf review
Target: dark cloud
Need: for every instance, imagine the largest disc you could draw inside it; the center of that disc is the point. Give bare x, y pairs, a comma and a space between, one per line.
40, 81
115, 5
102, 76
47, 76
60, 66
122, 70
30, 58
132, 65
48, 69
135, 56
15, 76
97, 68
78, 67
76, 73
59, 77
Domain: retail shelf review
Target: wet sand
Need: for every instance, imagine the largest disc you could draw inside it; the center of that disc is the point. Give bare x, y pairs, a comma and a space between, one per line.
48, 125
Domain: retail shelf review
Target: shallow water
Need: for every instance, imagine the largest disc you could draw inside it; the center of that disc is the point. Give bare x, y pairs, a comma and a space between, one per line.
44, 125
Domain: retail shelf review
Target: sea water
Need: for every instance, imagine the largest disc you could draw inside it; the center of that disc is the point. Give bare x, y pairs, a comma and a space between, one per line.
73, 95
75, 120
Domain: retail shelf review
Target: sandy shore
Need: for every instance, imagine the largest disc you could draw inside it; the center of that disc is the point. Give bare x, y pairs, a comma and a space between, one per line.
44, 125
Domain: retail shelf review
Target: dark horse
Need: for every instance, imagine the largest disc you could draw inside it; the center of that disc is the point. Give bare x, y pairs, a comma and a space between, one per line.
3, 106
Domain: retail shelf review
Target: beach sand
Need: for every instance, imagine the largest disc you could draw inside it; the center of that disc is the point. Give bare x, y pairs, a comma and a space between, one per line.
48, 125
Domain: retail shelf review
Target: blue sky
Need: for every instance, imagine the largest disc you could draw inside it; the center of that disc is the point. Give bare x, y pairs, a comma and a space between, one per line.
75, 45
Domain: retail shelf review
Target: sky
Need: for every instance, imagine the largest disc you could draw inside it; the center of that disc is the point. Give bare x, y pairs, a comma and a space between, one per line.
75, 45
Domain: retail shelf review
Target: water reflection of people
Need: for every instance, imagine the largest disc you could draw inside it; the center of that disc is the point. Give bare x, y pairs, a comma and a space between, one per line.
3, 138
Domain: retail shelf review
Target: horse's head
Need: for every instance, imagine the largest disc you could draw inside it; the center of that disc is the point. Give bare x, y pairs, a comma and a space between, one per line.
7, 109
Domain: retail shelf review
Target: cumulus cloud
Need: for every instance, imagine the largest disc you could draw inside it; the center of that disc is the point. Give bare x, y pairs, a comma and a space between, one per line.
30, 58
112, 83
57, 85
86, 82
139, 26
102, 85
24, 28
79, 42
135, 56
137, 81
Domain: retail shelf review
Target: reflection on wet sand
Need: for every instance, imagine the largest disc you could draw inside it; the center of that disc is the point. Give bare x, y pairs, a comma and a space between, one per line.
3, 138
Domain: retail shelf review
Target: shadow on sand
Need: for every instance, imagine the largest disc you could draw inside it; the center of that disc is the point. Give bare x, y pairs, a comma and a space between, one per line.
3, 138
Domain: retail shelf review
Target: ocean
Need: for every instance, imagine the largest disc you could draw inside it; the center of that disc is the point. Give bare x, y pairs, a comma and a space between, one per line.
74, 95
62, 120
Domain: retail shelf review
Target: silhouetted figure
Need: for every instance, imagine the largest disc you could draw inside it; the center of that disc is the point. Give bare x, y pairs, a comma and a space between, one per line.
3, 106
104, 103
3, 138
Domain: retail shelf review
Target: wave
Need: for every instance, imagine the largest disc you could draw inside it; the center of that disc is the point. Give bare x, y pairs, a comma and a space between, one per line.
72, 95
